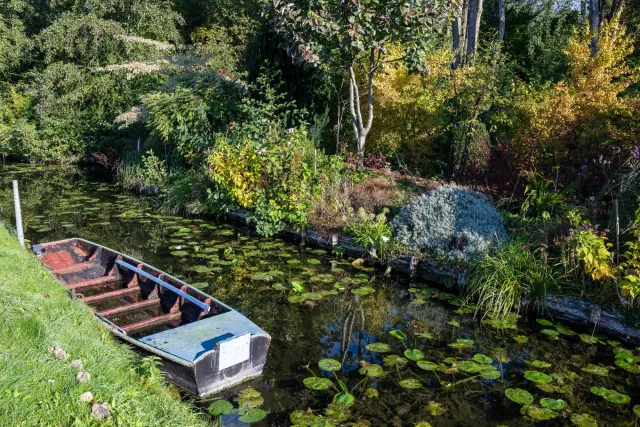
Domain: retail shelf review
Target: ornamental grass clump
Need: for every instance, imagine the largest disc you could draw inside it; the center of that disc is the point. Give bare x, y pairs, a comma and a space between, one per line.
453, 221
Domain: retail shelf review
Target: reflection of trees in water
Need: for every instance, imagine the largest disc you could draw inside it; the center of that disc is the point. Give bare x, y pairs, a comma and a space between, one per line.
352, 312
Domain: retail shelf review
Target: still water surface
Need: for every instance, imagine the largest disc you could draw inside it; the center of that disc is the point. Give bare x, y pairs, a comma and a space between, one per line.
340, 312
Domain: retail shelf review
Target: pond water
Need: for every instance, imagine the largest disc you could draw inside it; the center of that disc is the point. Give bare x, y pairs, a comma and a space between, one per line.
317, 305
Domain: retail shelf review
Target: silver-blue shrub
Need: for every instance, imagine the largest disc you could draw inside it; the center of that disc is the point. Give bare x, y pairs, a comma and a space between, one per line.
452, 221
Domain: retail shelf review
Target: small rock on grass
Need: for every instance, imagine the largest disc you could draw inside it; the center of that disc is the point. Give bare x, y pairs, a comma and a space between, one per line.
83, 377
100, 411
77, 363
57, 351
87, 396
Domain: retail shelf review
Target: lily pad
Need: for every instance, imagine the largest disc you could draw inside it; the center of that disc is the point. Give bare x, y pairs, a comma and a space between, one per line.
615, 397
313, 261
551, 333
344, 398
329, 365
555, 404
410, 383
521, 339
180, 254
251, 415
491, 375
413, 354
398, 334
362, 291
588, 339
371, 393
537, 377
540, 364
371, 370
596, 370
481, 358
544, 322
317, 383
541, 414
469, 367
378, 347
395, 361
220, 407
584, 420
250, 398
427, 366
520, 396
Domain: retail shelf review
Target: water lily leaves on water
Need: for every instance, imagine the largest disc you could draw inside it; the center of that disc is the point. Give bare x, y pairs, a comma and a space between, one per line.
435, 408
394, 360
360, 265
598, 391
335, 413
220, 407
250, 398
202, 269
200, 285
293, 261
469, 367
184, 230
398, 334
180, 254
312, 296
279, 287
362, 291
317, 383
537, 377
227, 233
410, 383
302, 418
596, 370
413, 354
615, 397
518, 395
371, 393
551, 333
297, 286
344, 398
371, 370
544, 322
329, 292
251, 415
428, 366
417, 301
295, 299
422, 424
314, 261
636, 410
491, 375
454, 323
564, 330
583, 420
555, 404
521, 339
634, 369
541, 414
378, 347
329, 365
481, 358
539, 364
588, 339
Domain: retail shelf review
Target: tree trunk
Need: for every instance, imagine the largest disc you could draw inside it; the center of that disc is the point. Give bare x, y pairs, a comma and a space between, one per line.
501, 17
472, 25
456, 41
615, 7
594, 24
360, 128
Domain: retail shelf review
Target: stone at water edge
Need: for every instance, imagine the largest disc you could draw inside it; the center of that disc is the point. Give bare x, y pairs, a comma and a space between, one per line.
77, 363
87, 396
100, 412
83, 377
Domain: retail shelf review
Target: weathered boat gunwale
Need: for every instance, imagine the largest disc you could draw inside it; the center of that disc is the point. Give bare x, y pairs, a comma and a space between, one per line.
183, 372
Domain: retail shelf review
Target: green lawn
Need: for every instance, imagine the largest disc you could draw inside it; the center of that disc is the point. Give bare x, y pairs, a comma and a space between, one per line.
37, 389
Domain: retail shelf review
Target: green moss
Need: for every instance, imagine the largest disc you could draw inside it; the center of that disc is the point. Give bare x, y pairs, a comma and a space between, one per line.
36, 312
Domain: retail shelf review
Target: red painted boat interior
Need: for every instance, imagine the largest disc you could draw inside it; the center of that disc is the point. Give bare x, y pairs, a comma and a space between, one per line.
134, 304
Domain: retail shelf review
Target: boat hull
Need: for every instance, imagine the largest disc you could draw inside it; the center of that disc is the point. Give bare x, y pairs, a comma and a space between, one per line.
205, 345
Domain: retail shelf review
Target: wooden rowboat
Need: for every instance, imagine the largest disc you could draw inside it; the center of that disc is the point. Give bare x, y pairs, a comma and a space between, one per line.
205, 345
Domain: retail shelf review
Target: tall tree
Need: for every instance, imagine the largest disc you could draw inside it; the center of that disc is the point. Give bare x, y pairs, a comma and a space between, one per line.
501, 19
352, 38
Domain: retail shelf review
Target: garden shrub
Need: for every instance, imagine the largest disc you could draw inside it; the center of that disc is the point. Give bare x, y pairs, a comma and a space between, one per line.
453, 221
373, 193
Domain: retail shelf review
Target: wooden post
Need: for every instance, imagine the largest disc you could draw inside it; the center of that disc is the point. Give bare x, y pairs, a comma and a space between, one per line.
16, 201
615, 208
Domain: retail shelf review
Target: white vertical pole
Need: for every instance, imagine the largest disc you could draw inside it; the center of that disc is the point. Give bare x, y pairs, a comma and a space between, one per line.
138, 145
16, 201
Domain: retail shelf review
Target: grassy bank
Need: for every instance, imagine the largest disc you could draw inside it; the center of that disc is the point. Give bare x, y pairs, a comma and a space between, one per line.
39, 389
